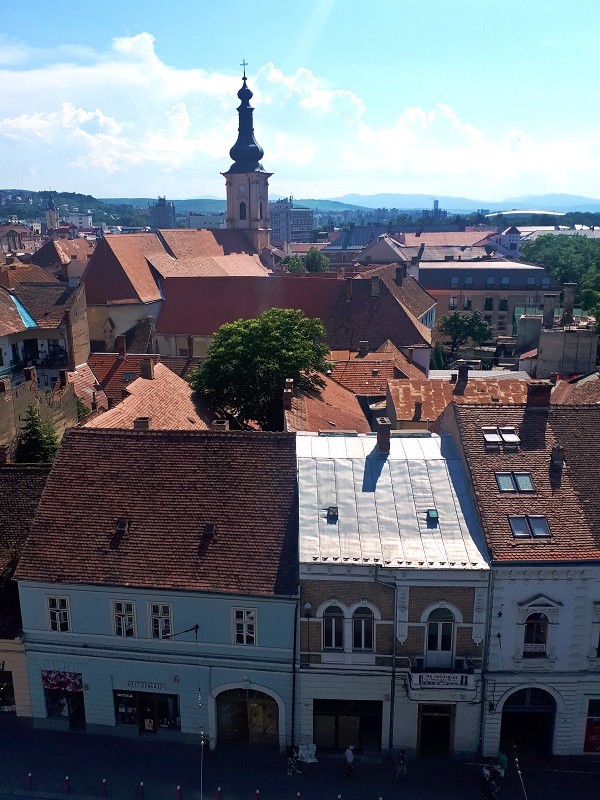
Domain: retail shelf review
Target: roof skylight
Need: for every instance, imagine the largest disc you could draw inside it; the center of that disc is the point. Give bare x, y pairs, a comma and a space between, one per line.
528, 526
515, 482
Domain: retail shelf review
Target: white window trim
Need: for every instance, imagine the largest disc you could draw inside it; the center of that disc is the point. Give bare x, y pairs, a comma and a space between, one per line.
67, 609
114, 618
233, 624
160, 638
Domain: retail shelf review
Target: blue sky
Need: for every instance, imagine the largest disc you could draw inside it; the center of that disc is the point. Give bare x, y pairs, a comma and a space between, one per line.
481, 99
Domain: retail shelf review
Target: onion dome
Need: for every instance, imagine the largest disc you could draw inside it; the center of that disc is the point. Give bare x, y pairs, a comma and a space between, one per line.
246, 152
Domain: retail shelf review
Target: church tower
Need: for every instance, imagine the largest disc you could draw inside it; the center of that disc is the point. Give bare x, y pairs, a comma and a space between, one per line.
51, 214
246, 180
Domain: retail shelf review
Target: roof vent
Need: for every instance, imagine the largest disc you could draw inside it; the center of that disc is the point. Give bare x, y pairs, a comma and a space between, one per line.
432, 518
209, 531
557, 457
121, 528
141, 424
332, 514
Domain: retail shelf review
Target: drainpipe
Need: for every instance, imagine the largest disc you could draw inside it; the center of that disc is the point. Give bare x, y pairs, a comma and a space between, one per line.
294, 672
486, 655
393, 680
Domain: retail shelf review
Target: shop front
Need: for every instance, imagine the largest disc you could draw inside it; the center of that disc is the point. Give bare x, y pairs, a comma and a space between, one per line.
63, 693
147, 711
339, 723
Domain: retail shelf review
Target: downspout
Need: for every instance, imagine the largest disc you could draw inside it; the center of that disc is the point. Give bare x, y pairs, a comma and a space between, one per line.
294, 672
393, 679
486, 655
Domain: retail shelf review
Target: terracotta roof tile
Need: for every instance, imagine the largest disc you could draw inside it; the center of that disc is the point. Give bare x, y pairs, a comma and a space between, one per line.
10, 319
11, 275
47, 302
87, 388
578, 391
335, 408
114, 373
21, 486
169, 485
410, 292
568, 498
444, 238
366, 377
168, 400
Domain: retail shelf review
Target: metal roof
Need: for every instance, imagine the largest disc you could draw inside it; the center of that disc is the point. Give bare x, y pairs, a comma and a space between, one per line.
382, 503
495, 374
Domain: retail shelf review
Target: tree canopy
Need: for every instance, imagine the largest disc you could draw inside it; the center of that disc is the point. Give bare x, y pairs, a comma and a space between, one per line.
316, 261
295, 264
461, 328
249, 360
37, 442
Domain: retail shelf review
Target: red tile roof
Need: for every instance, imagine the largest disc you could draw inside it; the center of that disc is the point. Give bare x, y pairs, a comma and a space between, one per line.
436, 395
21, 486
335, 408
583, 391
48, 303
568, 498
11, 275
168, 400
119, 273
366, 377
10, 319
444, 238
87, 388
169, 485
410, 292
59, 251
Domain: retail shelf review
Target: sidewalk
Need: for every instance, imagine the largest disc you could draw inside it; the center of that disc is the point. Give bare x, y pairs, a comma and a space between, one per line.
240, 770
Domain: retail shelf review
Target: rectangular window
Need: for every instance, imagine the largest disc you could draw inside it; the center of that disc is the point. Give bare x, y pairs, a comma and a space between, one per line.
505, 482
539, 526
160, 620
524, 481
490, 280
524, 527
530, 283
453, 304
503, 304
520, 528
58, 614
469, 280
488, 304
505, 280
515, 482
124, 619
454, 281
244, 625
545, 283
466, 303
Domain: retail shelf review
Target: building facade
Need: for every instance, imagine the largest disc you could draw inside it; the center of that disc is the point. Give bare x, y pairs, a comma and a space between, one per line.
290, 223
162, 214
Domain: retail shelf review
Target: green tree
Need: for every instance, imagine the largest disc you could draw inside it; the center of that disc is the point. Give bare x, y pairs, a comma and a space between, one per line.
436, 357
82, 409
37, 441
295, 264
316, 261
249, 360
465, 327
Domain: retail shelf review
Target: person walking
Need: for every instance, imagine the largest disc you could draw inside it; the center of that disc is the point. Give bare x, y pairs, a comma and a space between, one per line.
292, 768
349, 758
400, 760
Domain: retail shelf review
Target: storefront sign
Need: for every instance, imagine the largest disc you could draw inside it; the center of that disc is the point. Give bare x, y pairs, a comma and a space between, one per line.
63, 681
441, 679
146, 685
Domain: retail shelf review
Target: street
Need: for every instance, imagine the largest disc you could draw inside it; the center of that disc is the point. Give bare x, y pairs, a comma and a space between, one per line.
240, 770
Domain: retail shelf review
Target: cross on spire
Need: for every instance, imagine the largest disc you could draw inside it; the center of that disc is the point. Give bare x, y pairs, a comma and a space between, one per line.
244, 64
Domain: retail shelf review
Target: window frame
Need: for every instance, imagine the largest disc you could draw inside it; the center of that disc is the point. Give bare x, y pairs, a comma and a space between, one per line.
530, 530
468, 281
514, 478
160, 617
454, 281
339, 623
535, 622
504, 281
249, 637
66, 610
490, 281
363, 618
123, 615
453, 304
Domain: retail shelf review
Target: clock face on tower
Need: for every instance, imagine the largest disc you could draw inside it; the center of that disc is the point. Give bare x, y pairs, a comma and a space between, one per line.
242, 190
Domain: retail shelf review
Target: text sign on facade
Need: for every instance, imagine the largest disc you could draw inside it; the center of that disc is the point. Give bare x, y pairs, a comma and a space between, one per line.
440, 679
146, 685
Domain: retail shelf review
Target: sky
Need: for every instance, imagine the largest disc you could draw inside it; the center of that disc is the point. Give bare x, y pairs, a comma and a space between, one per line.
488, 100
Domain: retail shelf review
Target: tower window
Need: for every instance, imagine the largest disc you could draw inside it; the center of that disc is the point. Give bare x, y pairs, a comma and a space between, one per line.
261, 210
242, 210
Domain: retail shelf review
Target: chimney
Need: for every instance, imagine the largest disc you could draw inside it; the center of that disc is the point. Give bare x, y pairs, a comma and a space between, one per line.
410, 354
348, 289
141, 423
62, 378
538, 394
30, 374
121, 346
399, 274
221, 425
111, 402
94, 402
417, 234
418, 410
190, 346
147, 369
124, 393
4, 454
557, 456
548, 313
404, 269
363, 348
568, 303
463, 372
384, 429
375, 286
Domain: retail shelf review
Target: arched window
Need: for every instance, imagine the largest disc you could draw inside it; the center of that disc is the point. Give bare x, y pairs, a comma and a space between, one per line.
536, 636
440, 629
242, 210
362, 629
333, 628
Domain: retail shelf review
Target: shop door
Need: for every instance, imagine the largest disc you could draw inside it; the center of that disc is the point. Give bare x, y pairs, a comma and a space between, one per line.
147, 713
435, 731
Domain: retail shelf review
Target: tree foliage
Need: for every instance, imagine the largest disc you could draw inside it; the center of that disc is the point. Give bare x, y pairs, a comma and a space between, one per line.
249, 360
436, 357
37, 441
461, 328
316, 261
295, 265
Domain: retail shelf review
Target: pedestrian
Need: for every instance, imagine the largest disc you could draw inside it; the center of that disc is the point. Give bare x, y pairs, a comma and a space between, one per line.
349, 761
400, 765
292, 768
502, 760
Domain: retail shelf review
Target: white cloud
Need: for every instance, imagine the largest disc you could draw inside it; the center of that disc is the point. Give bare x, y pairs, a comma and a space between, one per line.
95, 121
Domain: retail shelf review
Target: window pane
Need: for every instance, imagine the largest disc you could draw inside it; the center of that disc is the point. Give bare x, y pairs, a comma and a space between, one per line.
519, 527
505, 482
446, 643
154, 609
524, 481
432, 636
368, 634
539, 526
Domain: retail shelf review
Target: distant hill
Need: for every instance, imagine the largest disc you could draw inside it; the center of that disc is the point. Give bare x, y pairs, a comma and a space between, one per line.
212, 205
549, 202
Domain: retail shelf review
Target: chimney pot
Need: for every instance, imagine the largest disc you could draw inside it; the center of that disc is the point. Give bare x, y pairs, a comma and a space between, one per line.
363, 348
147, 369
121, 346
384, 429
463, 372
538, 394
287, 399
141, 423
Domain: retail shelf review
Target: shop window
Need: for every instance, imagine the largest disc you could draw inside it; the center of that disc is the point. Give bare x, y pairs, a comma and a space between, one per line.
333, 628
536, 635
124, 619
362, 629
7, 692
148, 712
63, 692
244, 625
242, 210
58, 614
160, 620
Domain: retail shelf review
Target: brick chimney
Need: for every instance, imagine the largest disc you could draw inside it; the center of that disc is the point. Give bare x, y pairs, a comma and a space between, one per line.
375, 286
363, 348
121, 346
4, 454
548, 312
400, 269
384, 429
463, 372
190, 346
142, 423
147, 369
62, 378
30, 374
288, 393
538, 394
568, 303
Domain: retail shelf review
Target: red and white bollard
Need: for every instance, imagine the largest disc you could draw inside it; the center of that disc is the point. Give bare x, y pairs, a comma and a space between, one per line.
141, 790
104, 788
219, 794
179, 793
67, 785
257, 795
297, 795
29, 780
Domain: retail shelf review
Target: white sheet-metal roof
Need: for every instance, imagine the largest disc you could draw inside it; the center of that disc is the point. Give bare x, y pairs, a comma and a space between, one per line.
382, 503
492, 374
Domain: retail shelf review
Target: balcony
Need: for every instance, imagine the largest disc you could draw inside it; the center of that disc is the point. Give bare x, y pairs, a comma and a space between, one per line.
462, 677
